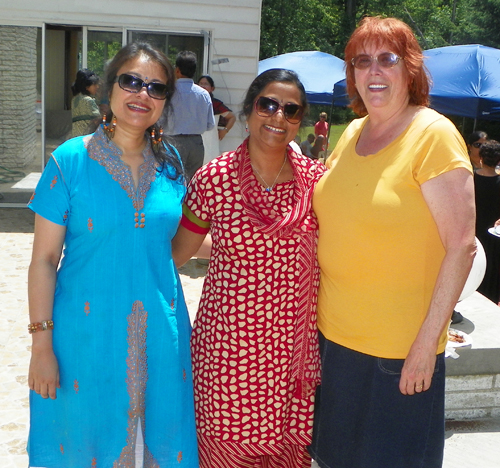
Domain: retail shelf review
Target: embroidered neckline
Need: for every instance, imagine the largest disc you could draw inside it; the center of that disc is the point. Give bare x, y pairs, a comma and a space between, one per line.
108, 155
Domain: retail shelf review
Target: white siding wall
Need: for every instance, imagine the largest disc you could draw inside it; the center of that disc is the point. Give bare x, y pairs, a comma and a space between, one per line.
234, 29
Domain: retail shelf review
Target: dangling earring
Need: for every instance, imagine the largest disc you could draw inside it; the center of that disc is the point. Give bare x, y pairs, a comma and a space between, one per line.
246, 127
156, 142
109, 129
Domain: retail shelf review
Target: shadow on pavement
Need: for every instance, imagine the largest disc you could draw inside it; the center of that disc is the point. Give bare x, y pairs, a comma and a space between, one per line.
193, 269
473, 425
16, 220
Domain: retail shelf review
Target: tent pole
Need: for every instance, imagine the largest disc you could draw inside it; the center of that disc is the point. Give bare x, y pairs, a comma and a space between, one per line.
329, 128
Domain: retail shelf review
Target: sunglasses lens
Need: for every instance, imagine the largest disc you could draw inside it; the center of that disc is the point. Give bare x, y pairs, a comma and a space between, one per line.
130, 83
157, 90
133, 84
362, 61
293, 112
266, 107
387, 60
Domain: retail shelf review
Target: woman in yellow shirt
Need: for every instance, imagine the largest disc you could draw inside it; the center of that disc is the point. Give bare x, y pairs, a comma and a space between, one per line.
396, 243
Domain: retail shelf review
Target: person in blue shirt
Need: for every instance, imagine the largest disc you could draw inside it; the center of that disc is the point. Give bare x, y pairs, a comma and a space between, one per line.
189, 115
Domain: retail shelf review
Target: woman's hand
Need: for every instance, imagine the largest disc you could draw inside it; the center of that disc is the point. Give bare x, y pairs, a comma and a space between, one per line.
418, 369
222, 133
43, 377
230, 120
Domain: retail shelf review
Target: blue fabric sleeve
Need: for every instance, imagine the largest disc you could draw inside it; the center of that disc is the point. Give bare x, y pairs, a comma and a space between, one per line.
51, 198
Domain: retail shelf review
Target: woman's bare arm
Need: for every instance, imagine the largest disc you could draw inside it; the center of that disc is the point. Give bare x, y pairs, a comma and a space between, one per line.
48, 242
187, 244
450, 198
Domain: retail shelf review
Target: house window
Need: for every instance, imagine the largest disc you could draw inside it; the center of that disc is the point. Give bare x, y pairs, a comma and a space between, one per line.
171, 44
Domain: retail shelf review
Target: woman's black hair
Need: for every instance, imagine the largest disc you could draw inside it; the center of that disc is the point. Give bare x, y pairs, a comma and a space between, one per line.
164, 154
475, 136
209, 79
84, 79
273, 75
490, 153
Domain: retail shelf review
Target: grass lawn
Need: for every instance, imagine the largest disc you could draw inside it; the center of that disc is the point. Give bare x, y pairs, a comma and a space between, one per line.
335, 132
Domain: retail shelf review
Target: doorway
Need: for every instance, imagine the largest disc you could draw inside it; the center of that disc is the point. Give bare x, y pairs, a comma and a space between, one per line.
58, 52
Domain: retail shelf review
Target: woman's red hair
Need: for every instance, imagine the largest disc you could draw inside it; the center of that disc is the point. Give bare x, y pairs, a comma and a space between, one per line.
399, 39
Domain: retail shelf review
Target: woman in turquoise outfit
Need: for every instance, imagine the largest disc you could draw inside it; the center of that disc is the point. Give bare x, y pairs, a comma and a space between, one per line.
110, 371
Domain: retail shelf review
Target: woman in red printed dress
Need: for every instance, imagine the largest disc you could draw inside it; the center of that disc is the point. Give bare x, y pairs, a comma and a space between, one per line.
254, 343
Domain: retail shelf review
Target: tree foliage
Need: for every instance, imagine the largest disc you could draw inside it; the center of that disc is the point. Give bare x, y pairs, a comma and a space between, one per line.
325, 25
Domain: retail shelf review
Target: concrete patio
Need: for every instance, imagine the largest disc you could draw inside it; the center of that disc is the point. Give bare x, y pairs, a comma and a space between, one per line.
473, 382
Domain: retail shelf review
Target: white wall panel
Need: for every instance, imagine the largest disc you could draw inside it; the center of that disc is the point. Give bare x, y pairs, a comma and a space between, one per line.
234, 30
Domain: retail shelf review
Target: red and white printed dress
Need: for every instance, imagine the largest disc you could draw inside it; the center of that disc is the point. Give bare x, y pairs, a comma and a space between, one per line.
254, 343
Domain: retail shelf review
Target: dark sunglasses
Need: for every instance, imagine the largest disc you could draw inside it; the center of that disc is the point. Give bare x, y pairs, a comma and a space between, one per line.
132, 84
477, 144
266, 107
385, 60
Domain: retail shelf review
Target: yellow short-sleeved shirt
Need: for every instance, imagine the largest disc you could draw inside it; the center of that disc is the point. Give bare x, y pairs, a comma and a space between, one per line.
379, 248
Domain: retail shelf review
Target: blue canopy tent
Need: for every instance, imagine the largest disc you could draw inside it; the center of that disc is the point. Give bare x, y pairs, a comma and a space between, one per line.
318, 72
465, 81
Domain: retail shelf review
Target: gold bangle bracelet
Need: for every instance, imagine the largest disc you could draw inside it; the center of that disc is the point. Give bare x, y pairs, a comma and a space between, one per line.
40, 326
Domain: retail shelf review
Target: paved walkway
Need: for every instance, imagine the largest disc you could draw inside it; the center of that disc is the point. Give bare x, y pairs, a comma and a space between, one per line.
472, 444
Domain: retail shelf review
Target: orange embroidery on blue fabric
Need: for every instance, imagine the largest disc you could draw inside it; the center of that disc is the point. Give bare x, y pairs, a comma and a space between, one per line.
94, 463
179, 457
76, 386
87, 308
172, 304
184, 374
90, 225
65, 217
53, 183
107, 154
142, 220
61, 448
137, 377
31, 198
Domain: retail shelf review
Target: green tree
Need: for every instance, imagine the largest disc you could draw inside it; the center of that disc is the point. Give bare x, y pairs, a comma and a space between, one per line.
292, 25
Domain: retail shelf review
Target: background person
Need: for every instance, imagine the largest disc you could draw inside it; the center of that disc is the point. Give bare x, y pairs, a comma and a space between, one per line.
396, 243
317, 149
224, 118
85, 113
487, 196
321, 128
474, 142
306, 145
120, 338
189, 115
254, 344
